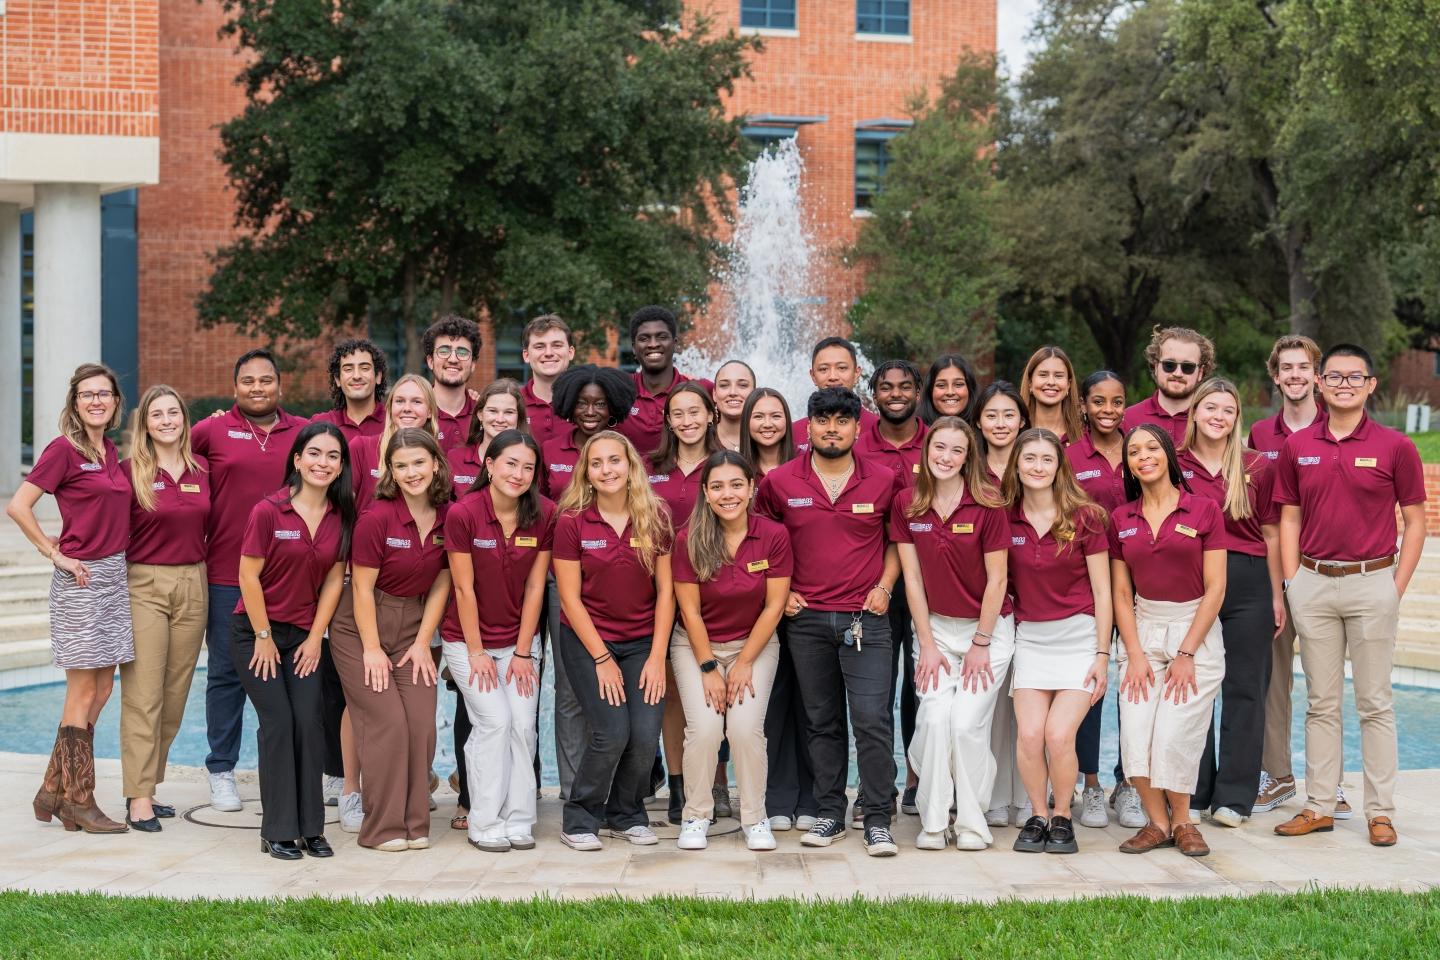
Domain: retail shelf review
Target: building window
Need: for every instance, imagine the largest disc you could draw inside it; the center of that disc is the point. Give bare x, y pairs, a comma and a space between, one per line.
509, 351
890, 17
872, 157
768, 14
765, 138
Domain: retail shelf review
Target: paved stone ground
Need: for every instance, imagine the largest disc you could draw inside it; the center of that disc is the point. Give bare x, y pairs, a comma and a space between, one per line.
192, 859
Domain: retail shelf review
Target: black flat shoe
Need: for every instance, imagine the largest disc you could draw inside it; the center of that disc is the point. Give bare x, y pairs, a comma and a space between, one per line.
162, 810
1062, 837
317, 846
1032, 836
144, 826
676, 810
281, 849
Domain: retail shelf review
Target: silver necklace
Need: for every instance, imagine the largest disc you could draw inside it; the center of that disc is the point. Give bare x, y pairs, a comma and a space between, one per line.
837, 487
255, 433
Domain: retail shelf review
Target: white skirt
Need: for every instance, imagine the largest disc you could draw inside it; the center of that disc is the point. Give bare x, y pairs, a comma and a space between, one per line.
1053, 654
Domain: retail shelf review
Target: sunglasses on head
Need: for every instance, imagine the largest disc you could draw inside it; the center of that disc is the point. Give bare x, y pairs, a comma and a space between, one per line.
1186, 367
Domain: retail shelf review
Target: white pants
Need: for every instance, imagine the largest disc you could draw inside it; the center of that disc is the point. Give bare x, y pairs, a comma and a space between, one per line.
499, 754
1008, 789
951, 748
1160, 739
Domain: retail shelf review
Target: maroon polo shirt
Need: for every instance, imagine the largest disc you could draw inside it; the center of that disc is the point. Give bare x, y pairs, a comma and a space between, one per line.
1170, 566
1047, 583
1347, 490
616, 589
560, 456
364, 470
904, 459
1268, 436
465, 467
1101, 482
387, 539
295, 564
840, 546
94, 514
242, 473
454, 428
1150, 411
647, 415
733, 599
1238, 536
679, 491
544, 423
501, 566
800, 429
371, 426
952, 551
172, 534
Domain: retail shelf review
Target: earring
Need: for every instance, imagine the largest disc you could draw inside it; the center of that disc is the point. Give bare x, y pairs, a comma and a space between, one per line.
612, 422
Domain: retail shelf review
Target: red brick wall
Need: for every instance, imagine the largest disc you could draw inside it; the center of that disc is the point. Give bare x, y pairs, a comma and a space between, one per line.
1413, 373
1432, 497
80, 67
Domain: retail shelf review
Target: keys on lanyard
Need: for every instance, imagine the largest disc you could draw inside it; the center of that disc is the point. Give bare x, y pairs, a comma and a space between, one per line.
854, 634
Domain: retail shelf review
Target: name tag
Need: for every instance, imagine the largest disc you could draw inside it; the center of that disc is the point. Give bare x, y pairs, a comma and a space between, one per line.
526, 542
189, 488
755, 566
634, 542
915, 468
287, 534
438, 540
1247, 479
1185, 531
397, 543
1365, 461
962, 528
862, 508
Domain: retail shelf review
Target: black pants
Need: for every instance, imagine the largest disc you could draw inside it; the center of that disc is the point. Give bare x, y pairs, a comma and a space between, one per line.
1247, 624
902, 636
790, 786
1087, 738
614, 771
291, 735
334, 706
830, 674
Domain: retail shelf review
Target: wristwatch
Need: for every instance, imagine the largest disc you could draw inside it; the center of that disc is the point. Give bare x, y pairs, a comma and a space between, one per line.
710, 666
262, 634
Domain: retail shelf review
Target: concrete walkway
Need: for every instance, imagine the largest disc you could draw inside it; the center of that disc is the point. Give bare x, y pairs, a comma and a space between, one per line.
205, 854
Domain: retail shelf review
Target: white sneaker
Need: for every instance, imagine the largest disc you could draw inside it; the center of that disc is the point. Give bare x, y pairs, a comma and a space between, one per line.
969, 840
352, 813
393, 846
998, 817
418, 843
224, 794
781, 823
1092, 808
759, 837
692, 835
1128, 811
581, 841
804, 822
931, 841
1023, 813
331, 789
1228, 817
640, 835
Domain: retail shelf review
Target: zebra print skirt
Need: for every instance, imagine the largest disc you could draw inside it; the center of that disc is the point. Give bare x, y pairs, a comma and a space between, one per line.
90, 626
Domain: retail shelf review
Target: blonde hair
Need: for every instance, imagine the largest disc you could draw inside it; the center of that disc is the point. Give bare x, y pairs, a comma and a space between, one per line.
1073, 507
972, 473
433, 424
1069, 406
1232, 460
72, 428
649, 517
143, 461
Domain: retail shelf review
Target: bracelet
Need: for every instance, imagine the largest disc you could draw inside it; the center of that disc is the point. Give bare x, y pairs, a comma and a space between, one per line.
600, 660
1182, 653
881, 586
476, 653
522, 656
974, 644
982, 633
1102, 653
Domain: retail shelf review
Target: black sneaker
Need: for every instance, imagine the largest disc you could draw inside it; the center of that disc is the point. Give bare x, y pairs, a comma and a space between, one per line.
675, 812
1032, 836
907, 802
1061, 838
857, 812
879, 843
825, 832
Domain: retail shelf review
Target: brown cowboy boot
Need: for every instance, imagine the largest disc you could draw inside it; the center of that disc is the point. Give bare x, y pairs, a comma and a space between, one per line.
48, 797
78, 810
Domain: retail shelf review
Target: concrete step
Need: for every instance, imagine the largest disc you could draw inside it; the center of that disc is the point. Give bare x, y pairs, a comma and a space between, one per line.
31, 578
19, 654
21, 628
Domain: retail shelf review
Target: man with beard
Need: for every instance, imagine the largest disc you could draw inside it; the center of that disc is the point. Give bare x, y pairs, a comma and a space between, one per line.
654, 333
549, 352
1179, 359
246, 450
834, 362
452, 344
357, 390
834, 506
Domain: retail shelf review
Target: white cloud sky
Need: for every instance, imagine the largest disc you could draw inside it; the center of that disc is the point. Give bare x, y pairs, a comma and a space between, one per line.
1015, 17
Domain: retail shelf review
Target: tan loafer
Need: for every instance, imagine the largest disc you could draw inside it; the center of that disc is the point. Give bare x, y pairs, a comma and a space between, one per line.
1149, 837
1382, 832
1305, 822
1188, 840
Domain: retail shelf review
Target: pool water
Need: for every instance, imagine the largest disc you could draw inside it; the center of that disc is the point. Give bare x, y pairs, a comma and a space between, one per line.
28, 718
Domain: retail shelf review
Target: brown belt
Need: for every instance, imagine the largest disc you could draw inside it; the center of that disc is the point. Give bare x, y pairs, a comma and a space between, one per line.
1330, 568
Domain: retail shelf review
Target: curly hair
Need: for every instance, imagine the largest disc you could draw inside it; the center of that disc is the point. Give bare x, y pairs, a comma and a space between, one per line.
1160, 334
343, 349
618, 388
452, 325
653, 314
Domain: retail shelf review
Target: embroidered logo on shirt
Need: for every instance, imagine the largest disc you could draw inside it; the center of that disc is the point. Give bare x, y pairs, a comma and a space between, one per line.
594, 544
462, 478
962, 528
375, 472
1271, 454
526, 542
1183, 530
1128, 533
397, 543
801, 502
862, 508
563, 467
1017, 541
489, 544
92, 467
755, 566
189, 488
240, 435
1088, 475
655, 478
634, 411
1365, 461
921, 527
1188, 474
1308, 461
158, 485
287, 534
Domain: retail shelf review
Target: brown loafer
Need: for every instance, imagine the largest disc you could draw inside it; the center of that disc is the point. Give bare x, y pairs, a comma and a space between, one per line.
1306, 821
1187, 838
1149, 837
1382, 832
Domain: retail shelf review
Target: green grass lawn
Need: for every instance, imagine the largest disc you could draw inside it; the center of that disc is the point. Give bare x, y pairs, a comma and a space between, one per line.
1320, 924
1429, 445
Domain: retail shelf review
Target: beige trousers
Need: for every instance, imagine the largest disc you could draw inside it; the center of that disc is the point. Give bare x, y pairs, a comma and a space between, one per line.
1275, 759
167, 612
743, 724
1357, 615
1160, 739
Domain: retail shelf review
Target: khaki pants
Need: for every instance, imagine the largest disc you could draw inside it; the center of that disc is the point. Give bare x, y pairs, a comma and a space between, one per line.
743, 724
167, 611
1160, 739
1275, 759
1357, 614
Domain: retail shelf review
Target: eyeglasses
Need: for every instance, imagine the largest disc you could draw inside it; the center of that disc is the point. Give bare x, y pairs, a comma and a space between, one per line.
460, 353
1347, 379
89, 396
1186, 367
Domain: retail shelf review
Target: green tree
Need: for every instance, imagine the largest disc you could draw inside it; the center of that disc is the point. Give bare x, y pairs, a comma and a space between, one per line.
399, 158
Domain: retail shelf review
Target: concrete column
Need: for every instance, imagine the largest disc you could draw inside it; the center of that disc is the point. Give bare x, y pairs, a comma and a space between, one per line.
9, 347
67, 295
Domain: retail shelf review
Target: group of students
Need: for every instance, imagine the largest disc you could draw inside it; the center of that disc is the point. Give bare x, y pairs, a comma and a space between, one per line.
713, 576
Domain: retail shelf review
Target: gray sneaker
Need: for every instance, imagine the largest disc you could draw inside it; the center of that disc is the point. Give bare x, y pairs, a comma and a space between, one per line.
224, 794
352, 813
331, 789
640, 835
1128, 811
1092, 808
581, 841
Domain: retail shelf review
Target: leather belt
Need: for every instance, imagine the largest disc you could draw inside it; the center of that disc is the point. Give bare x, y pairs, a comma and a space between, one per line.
1333, 568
